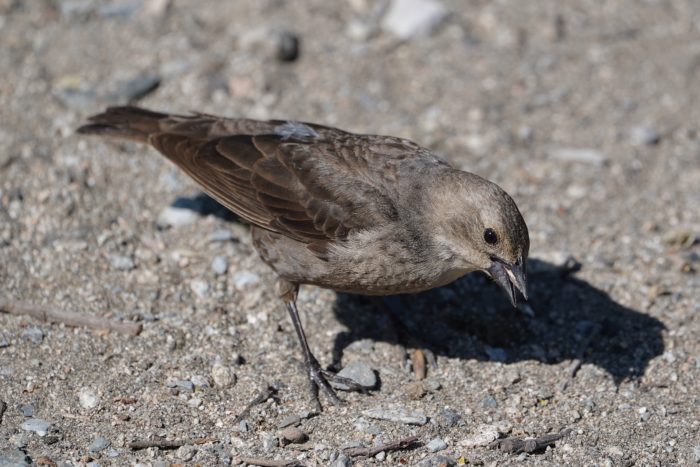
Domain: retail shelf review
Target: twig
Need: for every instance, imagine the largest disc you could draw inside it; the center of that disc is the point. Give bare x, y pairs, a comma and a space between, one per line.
528, 445
404, 443
3, 408
264, 395
267, 462
70, 318
165, 444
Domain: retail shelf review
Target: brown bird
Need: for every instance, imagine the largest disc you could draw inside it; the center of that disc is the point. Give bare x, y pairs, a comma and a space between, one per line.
365, 214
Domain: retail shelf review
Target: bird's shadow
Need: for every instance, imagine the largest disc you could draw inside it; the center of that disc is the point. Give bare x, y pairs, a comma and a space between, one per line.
472, 319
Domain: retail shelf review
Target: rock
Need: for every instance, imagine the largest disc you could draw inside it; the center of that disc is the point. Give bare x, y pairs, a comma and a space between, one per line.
199, 287
696, 454
409, 18
98, 444
37, 425
644, 135
489, 402
269, 441
292, 435
182, 385
14, 458
200, 382
289, 421
436, 461
243, 426
486, 434
397, 414
119, 9
194, 402
221, 235
436, 444
27, 410
4, 343
186, 452
380, 456
341, 461
123, 263
245, 279
447, 418
176, 217
583, 155
19, 440
87, 398
222, 375
288, 47
135, 88
614, 451
219, 265
34, 335
358, 371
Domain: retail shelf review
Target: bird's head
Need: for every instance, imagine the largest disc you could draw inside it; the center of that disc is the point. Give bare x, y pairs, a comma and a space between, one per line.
479, 227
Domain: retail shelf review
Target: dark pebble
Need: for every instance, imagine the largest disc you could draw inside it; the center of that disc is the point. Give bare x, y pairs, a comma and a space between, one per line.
288, 47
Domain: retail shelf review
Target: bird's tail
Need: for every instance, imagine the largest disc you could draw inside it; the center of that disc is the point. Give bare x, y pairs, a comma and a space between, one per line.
124, 122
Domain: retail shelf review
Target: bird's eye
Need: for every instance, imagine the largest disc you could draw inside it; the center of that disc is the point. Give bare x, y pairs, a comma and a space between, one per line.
490, 236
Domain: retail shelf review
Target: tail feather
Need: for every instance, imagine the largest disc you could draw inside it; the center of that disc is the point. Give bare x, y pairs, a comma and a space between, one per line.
124, 122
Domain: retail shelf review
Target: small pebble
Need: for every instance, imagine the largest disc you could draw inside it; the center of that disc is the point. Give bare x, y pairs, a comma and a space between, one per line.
200, 382
87, 398
269, 441
582, 155
4, 343
292, 435
436, 444
221, 235
37, 425
485, 434
219, 265
408, 18
199, 287
341, 461
176, 217
397, 414
437, 461
34, 335
447, 418
289, 421
243, 426
27, 410
98, 444
182, 385
194, 402
122, 263
222, 375
19, 440
186, 452
696, 454
288, 47
358, 371
644, 135
380, 456
245, 279
489, 402
14, 458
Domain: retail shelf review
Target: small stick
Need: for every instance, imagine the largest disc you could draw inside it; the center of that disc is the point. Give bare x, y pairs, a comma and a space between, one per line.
404, 443
70, 318
527, 445
3, 408
264, 395
165, 444
267, 462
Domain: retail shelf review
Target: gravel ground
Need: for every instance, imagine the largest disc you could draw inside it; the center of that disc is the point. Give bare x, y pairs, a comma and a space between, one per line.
586, 112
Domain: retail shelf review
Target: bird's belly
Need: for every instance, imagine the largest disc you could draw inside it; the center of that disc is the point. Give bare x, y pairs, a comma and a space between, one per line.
377, 269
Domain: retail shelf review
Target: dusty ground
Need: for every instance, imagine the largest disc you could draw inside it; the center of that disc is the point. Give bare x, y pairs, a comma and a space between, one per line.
586, 112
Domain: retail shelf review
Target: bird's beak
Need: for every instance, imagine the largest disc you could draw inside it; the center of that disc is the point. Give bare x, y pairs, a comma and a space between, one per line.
509, 277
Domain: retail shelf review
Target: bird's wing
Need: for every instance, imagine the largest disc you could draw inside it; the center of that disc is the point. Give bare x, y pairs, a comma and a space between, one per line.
312, 183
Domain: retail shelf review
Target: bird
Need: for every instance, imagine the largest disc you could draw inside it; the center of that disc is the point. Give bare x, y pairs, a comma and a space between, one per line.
356, 213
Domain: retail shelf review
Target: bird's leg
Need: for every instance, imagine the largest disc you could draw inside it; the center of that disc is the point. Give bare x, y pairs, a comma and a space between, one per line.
318, 379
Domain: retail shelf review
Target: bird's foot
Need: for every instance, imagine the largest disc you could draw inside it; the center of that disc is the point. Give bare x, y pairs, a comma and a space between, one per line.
324, 381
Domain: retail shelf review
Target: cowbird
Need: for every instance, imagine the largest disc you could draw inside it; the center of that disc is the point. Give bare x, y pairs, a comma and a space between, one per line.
365, 214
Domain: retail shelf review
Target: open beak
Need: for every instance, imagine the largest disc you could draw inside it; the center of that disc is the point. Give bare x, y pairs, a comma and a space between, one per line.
509, 277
